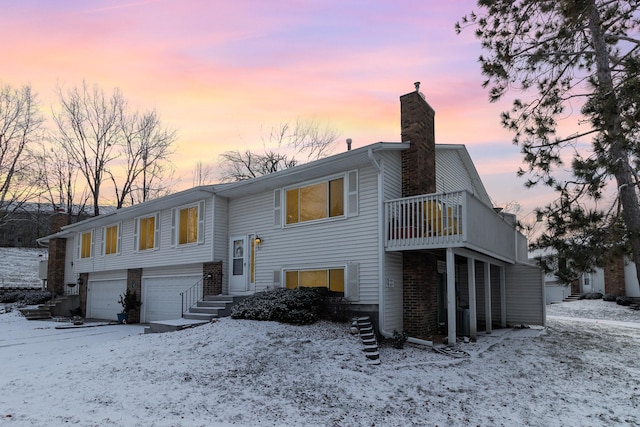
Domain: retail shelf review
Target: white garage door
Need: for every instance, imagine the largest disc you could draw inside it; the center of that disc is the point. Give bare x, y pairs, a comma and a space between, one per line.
102, 298
161, 297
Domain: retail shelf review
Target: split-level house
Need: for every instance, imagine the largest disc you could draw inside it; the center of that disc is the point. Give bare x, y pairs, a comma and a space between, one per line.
404, 230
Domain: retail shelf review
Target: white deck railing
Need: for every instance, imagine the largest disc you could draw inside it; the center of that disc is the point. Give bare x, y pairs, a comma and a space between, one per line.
456, 219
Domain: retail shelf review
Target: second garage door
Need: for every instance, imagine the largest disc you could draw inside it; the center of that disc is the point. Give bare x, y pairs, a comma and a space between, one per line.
102, 298
161, 297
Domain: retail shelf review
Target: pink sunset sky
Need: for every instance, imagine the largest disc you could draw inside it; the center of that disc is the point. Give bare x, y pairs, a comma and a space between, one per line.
223, 73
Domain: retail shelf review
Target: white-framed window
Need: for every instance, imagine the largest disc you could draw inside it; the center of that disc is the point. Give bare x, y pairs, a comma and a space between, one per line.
84, 245
187, 224
111, 235
332, 197
147, 232
330, 278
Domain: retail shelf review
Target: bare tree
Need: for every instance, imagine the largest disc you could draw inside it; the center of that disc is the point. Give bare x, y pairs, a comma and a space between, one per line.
88, 131
145, 145
202, 174
58, 180
103, 139
307, 139
20, 124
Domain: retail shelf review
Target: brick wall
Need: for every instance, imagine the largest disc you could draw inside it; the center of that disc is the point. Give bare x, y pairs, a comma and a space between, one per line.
420, 294
614, 276
82, 292
134, 282
55, 265
212, 278
419, 281
57, 252
419, 161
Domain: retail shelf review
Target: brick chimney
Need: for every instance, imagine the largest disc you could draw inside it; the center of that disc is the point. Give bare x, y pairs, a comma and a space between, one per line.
57, 252
419, 161
419, 268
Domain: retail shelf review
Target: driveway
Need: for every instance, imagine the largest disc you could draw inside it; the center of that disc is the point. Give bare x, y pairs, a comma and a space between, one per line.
36, 344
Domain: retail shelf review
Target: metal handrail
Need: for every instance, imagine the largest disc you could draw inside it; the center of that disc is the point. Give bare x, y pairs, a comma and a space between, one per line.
190, 297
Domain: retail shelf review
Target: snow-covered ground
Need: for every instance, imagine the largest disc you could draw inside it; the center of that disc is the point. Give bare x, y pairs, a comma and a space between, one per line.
19, 267
576, 372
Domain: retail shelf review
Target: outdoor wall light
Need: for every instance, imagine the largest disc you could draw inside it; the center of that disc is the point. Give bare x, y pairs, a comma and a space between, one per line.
258, 240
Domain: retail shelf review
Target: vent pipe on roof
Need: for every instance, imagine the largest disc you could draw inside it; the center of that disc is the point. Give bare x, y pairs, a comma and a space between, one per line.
349, 144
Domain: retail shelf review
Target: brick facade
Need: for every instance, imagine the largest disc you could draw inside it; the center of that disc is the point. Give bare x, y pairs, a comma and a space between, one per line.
134, 284
420, 285
420, 294
57, 251
614, 276
419, 161
82, 292
212, 278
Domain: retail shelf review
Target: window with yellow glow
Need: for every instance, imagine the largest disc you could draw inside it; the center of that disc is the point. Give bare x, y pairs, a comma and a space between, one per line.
188, 225
85, 245
111, 240
330, 278
316, 201
147, 233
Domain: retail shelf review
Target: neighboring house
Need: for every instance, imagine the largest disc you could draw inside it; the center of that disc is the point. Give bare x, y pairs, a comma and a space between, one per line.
27, 222
618, 277
405, 231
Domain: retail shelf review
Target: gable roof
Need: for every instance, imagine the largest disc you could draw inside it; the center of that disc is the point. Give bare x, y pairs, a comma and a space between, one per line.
340, 162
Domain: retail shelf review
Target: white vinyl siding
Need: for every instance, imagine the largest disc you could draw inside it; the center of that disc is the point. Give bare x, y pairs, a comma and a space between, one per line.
525, 295
164, 255
391, 163
452, 175
330, 242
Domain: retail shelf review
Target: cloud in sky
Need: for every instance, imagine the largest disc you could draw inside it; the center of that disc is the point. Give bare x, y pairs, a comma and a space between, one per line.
223, 72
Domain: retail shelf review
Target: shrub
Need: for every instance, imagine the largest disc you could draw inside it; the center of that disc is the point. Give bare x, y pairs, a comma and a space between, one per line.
398, 339
609, 297
298, 306
624, 301
26, 297
593, 295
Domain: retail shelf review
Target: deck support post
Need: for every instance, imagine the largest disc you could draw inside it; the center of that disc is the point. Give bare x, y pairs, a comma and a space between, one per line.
473, 312
503, 298
451, 297
487, 297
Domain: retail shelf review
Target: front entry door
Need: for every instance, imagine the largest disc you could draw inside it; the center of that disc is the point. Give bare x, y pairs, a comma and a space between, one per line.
238, 265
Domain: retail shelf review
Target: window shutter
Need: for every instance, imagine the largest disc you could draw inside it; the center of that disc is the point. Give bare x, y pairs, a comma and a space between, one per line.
156, 231
352, 193
276, 278
174, 214
277, 208
118, 244
104, 242
201, 222
136, 241
78, 245
353, 281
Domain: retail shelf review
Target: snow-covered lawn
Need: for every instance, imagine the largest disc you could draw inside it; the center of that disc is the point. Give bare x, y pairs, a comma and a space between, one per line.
232, 372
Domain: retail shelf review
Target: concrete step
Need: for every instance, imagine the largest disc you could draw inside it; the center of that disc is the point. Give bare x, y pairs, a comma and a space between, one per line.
172, 325
200, 316
572, 297
36, 313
